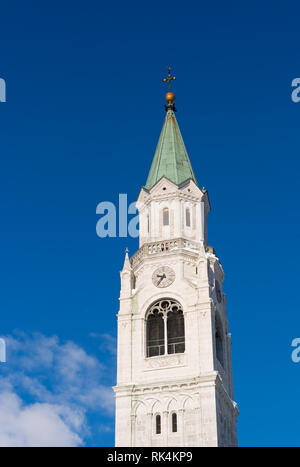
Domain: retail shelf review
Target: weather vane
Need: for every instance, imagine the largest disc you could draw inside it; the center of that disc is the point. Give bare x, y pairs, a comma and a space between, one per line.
169, 78
170, 96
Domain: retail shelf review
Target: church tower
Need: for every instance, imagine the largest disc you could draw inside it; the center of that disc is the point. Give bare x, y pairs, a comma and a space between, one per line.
174, 382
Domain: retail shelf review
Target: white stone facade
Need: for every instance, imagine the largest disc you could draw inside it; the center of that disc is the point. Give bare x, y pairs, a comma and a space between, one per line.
196, 384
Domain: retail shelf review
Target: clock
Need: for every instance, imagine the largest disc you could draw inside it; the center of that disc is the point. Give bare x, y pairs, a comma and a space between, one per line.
163, 276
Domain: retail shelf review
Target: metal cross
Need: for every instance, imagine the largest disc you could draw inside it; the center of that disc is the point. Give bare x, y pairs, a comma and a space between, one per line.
169, 78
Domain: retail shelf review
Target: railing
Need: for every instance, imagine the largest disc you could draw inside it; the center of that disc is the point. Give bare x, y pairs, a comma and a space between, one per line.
155, 350
149, 249
162, 246
177, 347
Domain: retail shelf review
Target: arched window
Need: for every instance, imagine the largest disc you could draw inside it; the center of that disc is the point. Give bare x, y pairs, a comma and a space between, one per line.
174, 422
175, 326
165, 216
165, 328
188, 217
155, 334
219, 341
158, 424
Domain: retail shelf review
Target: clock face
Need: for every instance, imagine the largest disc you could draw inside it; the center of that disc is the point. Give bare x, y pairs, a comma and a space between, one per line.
163, 276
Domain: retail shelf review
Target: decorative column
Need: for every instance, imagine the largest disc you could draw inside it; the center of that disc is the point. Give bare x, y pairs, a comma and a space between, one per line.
166, 334
202, 221
149, 428
180, 425
165, 427
133, 425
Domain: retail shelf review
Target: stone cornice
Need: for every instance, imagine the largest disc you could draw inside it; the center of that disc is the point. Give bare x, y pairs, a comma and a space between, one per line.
207, 380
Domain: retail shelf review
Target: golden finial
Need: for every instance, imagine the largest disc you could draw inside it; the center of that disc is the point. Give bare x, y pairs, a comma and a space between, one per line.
170, 96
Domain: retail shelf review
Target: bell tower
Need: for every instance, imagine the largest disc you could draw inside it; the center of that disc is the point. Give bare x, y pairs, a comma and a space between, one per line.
174, 382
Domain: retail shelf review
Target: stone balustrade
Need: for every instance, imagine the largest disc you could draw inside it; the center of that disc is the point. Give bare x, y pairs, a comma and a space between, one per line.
166, 246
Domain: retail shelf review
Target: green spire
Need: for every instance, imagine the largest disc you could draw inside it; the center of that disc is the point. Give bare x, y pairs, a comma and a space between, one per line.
171, 159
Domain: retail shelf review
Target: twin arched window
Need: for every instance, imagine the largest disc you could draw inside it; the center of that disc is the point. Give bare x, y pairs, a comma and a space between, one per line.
166, 217
165, 328
158, 423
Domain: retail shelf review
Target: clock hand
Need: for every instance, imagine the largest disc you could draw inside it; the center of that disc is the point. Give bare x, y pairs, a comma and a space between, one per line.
161, 278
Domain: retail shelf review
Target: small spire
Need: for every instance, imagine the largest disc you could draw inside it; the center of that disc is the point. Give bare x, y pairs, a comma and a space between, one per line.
170, 96
127, 263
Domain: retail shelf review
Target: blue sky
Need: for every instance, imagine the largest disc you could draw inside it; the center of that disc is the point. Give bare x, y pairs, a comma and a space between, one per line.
83, 114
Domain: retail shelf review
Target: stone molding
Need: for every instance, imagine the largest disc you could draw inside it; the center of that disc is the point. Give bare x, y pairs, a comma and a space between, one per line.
164, 361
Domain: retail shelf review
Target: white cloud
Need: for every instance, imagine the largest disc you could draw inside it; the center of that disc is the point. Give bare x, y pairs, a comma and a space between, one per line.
33, 425
46, 390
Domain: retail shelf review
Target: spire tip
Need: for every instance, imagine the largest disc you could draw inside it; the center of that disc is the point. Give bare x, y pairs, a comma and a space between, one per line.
170, 96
